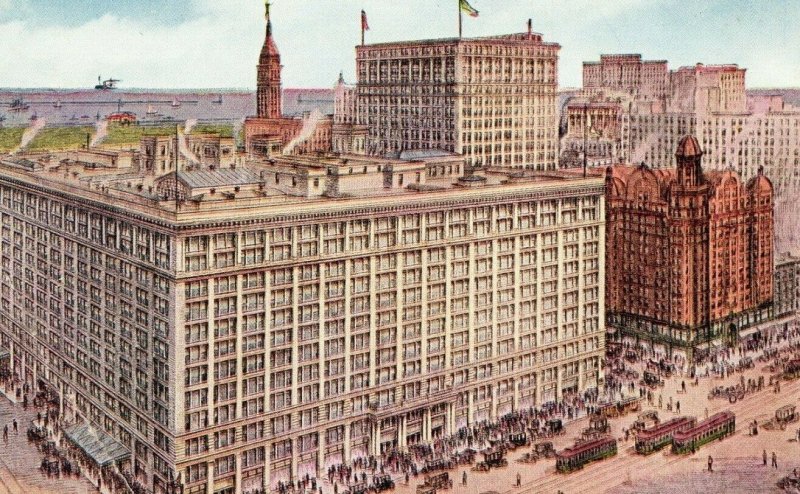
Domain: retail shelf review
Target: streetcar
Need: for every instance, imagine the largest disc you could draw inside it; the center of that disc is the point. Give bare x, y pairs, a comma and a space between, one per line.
717, 426
575, 458
651, 440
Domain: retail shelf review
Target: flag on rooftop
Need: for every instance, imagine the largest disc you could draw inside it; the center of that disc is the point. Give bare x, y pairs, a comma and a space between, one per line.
364, 25
467, 8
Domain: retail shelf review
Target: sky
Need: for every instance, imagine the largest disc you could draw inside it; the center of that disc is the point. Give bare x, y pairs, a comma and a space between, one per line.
215, 43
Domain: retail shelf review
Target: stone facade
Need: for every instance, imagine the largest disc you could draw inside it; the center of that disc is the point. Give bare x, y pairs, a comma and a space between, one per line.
491, 99
787, 284
267, 321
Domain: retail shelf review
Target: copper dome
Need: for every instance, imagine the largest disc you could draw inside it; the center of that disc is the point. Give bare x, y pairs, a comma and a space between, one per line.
688, 146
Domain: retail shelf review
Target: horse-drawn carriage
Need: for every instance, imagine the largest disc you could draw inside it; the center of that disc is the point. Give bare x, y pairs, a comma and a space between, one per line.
492, 458
517, 439
465, 457
51, 465
437, 464
544, 450
383, 482
651, 379
641, 422
439, 481
630, 404
360, 488
599, 423
783, 416
555, 427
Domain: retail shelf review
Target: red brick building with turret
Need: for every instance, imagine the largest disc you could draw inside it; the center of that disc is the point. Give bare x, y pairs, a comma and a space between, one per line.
689, 253
270, 132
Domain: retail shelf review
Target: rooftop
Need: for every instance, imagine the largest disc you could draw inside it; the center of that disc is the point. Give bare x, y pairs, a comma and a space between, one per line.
282, 185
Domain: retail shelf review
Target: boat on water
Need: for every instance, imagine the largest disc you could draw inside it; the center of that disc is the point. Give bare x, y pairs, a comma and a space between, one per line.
218, 100
57, 104
106, 84
17, 105
84, 117
150, 110
34, 117
176, 103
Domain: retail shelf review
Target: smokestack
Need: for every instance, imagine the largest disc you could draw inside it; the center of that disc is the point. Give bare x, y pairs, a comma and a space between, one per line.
88, 140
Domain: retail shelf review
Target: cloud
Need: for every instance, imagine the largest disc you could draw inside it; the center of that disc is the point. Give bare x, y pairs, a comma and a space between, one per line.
217, 42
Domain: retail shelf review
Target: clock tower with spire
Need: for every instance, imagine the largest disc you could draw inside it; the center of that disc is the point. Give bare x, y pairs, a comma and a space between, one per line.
268, 87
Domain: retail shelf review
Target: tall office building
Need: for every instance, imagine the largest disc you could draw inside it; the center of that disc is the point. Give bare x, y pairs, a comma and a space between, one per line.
234, 327
708, 101
490, 99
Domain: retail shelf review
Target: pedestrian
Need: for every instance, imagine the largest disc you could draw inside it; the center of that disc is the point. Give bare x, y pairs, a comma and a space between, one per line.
677, 407
710, 463
464, 478
5, 433
519, 479
683, 386
774, 460
764, 457
16, 431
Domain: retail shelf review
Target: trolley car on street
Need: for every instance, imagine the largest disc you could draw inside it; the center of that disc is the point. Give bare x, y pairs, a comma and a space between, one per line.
575, 458
651, 440
717, 426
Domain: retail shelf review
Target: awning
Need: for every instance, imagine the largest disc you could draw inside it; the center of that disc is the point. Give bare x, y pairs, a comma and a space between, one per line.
101, 448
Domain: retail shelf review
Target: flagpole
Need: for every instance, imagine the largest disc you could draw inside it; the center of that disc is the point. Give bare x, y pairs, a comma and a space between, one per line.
459, 18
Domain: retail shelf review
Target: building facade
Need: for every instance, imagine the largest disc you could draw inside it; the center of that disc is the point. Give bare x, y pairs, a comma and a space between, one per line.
628, 74
250, 328
491, 99
690, 253
787, 284
707, 101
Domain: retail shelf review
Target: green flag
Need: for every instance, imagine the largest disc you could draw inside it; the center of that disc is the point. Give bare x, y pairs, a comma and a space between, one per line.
466, 7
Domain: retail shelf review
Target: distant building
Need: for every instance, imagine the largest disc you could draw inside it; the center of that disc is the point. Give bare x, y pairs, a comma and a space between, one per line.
271, 132
689, 253
629, 74
492, 99
787, 284
159, 154
593, 128
707, 101
347, 135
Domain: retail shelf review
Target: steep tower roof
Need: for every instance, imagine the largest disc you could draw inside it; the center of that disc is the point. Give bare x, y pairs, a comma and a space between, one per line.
268, 80
270, 49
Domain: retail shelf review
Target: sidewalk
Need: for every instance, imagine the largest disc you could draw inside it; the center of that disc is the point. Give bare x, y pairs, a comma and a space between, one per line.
20, 460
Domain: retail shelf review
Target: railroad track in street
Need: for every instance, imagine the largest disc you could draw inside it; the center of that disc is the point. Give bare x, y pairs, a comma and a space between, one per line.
614, 472
12, 487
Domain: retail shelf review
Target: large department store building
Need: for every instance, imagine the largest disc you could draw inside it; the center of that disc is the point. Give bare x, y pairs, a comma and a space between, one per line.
229, 328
